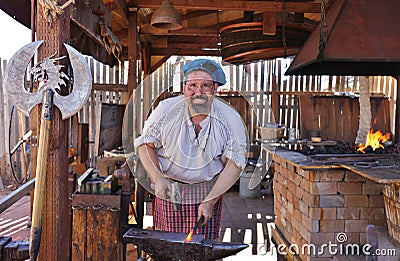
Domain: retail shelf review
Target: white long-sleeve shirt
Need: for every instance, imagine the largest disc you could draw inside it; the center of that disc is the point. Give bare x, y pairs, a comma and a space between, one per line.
185, 157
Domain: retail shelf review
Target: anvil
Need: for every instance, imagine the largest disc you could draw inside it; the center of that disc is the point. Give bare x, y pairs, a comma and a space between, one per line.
169, 246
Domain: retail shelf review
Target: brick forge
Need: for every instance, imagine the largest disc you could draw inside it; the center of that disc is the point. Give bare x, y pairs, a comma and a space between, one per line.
313, 206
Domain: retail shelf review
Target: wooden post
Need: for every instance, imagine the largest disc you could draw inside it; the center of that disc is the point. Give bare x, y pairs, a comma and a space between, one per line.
3, 132
132, 52
55, 243
397, 120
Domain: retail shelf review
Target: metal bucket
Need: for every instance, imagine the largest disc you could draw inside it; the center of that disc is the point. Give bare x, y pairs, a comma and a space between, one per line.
244, 190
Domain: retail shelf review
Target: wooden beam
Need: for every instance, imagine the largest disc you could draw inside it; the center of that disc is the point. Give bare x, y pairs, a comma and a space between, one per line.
199, 52
196, 14
148, 29
132, 52
270, 6
16, 195
192, 45
159, 63
109, 87
119, 8
84, 18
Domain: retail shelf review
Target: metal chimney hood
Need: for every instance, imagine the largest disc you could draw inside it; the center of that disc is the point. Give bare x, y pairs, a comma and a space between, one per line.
363, 38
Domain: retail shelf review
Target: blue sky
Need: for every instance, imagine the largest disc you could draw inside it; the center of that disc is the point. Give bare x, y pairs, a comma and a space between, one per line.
14, 36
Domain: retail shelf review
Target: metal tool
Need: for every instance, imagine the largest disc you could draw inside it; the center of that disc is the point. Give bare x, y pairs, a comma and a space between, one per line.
162, 245
176, 196
50, 79
198, 223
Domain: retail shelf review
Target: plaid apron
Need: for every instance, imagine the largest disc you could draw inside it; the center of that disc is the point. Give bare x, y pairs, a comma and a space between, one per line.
167, 218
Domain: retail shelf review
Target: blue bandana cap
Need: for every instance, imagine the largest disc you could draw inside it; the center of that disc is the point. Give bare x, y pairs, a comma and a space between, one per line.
208, 66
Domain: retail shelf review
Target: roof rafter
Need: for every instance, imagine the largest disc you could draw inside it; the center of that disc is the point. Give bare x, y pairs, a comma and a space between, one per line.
271, 6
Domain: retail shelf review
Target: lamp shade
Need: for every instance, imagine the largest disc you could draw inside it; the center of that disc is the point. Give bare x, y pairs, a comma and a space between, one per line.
166, 17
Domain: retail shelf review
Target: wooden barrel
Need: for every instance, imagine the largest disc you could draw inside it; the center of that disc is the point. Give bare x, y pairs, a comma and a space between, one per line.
245, 42
391, 195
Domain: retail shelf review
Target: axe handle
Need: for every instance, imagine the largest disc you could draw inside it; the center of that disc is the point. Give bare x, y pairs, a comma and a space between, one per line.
40, 184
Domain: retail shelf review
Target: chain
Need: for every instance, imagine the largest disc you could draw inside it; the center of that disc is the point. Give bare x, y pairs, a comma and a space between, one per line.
323, 31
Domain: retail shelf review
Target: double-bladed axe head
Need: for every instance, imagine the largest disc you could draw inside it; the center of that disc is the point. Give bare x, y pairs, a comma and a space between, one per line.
14, 82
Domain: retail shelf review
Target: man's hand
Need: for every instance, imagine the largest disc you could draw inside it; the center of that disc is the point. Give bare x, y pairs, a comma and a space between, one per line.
206, 209
123, 171
163, 188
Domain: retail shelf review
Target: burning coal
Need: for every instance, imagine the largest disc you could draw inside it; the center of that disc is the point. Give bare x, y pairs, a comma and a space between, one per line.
374, 140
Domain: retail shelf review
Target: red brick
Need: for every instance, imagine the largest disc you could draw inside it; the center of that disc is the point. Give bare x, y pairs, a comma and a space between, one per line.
315, 175
332, 175
323, 188
348, 213
356, 200
296, 179
352, 238
331, 201
296, 202
304, 173
355, 225
372, 188
299, 192
304, 233
291, 186
311, 200
378, 222
349, 187
295, 223
351, 176
322, 238
289, 196
376, 201
303, 207
291, 167
296, 216
290, 208
309, 223
331, 225
305, 184
372, 213
363, 238
323, 213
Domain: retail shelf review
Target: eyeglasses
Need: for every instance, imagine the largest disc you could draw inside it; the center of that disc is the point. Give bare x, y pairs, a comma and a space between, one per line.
205, 86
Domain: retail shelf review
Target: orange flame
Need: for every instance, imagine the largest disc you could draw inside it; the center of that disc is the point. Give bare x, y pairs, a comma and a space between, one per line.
189, 237
374, 140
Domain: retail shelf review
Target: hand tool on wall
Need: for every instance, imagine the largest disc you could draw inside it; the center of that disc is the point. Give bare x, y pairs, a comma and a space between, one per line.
50, 78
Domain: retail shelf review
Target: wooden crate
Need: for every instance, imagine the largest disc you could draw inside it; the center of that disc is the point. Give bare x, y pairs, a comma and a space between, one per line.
96, 227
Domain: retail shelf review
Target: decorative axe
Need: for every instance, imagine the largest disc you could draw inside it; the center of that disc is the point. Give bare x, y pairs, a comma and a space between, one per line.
50, 79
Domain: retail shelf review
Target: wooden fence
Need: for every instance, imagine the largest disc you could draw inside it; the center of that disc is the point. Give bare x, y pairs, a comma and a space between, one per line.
272, 96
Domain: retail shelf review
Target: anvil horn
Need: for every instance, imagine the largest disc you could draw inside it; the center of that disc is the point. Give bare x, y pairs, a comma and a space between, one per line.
162, 245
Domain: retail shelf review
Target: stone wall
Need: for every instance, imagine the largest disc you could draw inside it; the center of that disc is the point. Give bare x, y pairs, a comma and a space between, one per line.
319, 206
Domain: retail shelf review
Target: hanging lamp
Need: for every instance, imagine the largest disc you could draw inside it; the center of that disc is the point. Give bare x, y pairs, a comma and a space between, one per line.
166, 17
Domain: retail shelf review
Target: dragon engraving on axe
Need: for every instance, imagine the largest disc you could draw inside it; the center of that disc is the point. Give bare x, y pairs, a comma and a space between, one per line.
50, 78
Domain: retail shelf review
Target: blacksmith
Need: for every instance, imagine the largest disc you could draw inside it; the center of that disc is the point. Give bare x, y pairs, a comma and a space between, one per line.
193, 149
